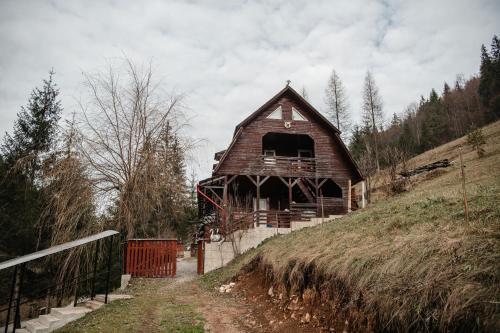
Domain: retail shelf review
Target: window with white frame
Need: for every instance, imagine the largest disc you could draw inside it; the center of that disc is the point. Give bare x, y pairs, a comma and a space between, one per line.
276, 114
296, 115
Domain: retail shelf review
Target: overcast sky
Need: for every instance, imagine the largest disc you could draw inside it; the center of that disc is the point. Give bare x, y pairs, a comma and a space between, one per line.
229, 57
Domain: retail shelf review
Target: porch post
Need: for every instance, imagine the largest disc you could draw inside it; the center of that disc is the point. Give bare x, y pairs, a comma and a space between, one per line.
349, 194
257, 204
224, 205
289, 192
363, 194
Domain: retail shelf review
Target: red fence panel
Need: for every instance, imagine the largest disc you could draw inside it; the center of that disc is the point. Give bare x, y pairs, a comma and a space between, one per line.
151, 257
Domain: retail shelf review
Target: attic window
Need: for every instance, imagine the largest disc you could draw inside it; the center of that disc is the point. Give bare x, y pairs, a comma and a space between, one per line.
297, 116
276, 114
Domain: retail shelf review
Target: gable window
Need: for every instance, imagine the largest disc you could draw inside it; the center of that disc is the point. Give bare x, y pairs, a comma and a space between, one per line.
297, 116
276, 114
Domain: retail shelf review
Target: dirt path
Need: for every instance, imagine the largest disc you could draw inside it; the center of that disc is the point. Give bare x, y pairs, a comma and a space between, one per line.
220, 314
184, 304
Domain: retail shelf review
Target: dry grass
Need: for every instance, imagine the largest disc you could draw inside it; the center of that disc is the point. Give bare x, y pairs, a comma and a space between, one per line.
410, 262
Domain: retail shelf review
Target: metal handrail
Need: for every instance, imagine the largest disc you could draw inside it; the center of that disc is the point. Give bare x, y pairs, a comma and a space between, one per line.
19, 264
56, 249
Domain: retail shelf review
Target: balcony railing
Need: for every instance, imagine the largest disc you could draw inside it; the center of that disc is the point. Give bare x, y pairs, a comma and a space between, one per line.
284, 165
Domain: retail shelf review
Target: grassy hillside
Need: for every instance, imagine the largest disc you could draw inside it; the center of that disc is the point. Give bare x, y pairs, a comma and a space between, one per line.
407, 262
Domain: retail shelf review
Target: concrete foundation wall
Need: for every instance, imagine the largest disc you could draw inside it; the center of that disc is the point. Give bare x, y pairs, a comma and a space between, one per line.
218, 254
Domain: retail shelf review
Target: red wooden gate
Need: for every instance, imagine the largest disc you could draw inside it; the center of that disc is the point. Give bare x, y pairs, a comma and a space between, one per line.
151, 257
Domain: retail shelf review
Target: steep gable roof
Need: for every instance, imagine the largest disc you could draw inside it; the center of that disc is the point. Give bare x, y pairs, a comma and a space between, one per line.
288, 89
309, 109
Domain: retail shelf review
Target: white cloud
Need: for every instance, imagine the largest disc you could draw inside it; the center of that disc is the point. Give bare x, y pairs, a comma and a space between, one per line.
230, 57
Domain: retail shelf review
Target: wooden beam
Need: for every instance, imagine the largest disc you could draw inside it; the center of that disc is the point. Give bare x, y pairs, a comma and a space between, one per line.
216, 195
322, 182
211, 181
253, 181
349, 193
284, 181
314, 184
289, 192
264, 180
231, 179
257, 204
224, 204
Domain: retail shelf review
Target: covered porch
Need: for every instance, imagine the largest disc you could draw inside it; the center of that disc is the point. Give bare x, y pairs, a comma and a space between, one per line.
247, 201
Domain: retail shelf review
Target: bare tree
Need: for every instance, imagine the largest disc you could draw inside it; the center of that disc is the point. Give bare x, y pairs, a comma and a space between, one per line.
372, 112
336, 100
69, 207
131, 142
304, 93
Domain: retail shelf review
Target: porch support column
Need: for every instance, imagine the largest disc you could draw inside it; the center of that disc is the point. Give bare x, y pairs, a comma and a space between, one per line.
363, 194
224, 204
319, 201
289, 192
257, 204
349, 194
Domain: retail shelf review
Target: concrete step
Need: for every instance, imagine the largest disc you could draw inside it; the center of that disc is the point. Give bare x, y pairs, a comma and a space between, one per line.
93, 304
69, 313
52, 321
112, 297
35, 326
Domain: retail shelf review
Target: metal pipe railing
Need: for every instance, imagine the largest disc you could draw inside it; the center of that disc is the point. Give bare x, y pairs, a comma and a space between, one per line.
19, 265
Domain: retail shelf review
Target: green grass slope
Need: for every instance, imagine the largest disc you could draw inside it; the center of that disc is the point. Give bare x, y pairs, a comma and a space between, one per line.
410, 261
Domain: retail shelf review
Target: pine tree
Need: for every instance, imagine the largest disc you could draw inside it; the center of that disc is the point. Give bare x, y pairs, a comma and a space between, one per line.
336, 100
357, 143
486, 70
22, 158
35, 128
372, 112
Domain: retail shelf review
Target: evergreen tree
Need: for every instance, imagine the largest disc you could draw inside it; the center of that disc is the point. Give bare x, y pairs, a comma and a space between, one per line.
486, 70
35, 128
22, 158
357, 143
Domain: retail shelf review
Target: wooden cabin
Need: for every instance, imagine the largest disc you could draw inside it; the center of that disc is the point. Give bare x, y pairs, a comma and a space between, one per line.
286, 162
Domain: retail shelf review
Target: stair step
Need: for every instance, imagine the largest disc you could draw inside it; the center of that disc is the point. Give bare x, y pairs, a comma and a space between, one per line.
93, 304
112, 297
52, 321
69, 313
35, 326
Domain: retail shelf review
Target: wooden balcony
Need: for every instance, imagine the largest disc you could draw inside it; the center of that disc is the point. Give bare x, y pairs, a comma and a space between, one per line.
284, 166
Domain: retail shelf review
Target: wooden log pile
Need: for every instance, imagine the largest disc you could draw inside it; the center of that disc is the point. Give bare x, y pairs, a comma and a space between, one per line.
425, 168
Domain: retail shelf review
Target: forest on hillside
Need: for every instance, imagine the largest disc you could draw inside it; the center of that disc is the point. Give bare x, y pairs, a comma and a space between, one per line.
457, 110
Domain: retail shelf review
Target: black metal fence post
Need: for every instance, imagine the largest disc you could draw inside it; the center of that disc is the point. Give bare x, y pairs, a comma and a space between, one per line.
77, 282
17, 315
110, 250
11, 298
92, 292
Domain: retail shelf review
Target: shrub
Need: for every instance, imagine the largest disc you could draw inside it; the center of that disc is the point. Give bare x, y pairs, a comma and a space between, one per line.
476, 140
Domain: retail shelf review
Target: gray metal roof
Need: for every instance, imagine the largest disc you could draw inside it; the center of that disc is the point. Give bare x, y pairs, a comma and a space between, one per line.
56, 249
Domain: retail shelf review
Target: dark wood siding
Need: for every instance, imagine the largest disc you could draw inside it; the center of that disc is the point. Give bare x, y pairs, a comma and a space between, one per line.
244, 156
